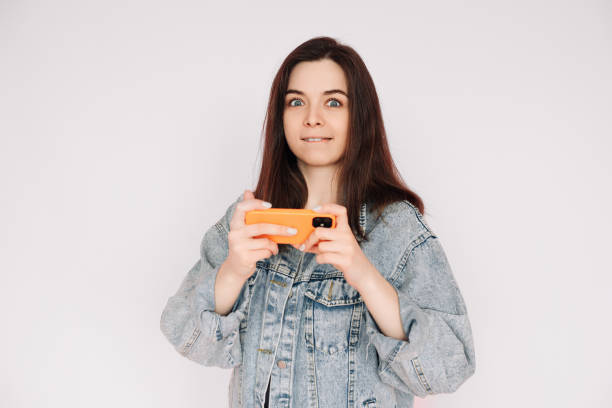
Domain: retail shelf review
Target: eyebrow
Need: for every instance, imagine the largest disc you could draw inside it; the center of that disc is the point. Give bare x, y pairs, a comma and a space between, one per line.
331, 91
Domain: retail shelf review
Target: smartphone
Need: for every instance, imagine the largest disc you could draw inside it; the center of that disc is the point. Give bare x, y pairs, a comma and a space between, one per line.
305, 221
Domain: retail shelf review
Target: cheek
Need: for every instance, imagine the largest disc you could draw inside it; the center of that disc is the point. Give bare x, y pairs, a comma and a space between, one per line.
291, 133
341, 125
340, 119
342, 133
346, 120
290, 123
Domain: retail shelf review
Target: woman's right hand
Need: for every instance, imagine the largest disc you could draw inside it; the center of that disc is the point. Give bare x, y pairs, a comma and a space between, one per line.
244, 250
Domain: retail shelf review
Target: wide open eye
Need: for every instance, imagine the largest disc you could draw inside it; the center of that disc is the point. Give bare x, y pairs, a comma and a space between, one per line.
294, 99
339, 104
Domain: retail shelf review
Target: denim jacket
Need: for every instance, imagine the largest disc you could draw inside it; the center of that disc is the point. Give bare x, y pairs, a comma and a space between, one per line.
300, 328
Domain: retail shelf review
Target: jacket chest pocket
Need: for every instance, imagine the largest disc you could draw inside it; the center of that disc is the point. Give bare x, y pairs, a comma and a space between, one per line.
332, 316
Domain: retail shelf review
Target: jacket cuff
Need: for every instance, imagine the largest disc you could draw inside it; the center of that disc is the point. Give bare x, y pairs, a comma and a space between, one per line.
416, 324
394, 352
213, 325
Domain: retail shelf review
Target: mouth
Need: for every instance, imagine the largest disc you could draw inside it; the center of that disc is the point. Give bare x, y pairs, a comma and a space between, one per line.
316, 139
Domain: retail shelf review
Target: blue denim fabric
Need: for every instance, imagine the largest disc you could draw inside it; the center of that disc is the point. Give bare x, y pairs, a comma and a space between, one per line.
305, 315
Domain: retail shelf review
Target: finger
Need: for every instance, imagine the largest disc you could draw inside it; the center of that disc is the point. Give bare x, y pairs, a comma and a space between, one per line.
314, 249
339, 211
312, 243
247, 204
327, 234
248, 195
330, 247
320, 234
298, 246
308, 242
261, 243
329, 258
269, 229
262, 253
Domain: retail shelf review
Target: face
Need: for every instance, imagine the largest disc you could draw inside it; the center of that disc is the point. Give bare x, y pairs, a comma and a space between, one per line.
316, 106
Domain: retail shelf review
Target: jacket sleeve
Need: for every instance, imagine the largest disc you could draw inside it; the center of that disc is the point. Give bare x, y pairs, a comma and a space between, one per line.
439, 353
189, 321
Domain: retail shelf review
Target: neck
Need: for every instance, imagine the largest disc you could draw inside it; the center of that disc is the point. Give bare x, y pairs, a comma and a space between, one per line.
322, 184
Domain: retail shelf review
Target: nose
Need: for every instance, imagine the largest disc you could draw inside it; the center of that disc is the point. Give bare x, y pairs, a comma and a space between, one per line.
313, 117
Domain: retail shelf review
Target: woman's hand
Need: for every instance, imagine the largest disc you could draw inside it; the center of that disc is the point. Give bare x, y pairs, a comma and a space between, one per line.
244, 250
338, 247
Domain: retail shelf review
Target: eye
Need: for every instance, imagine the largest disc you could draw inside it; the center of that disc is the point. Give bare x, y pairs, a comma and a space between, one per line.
294, 99
332, 100
335, 100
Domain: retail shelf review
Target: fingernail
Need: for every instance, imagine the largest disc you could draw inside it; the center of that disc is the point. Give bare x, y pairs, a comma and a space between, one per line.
266, 204
302, 247
292, 231
317, 208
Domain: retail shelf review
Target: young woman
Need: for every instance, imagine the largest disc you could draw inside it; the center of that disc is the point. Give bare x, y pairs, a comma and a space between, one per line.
367, 314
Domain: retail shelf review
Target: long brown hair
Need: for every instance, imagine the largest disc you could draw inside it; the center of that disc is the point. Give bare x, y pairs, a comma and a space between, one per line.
366, 170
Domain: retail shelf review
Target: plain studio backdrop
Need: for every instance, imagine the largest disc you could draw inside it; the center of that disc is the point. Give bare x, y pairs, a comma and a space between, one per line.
128, 127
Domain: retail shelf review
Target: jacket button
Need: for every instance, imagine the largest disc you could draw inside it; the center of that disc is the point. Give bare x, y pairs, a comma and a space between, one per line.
332, 349
281, 364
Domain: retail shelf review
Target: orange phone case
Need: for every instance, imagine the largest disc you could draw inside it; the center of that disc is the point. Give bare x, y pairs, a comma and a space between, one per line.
300, 219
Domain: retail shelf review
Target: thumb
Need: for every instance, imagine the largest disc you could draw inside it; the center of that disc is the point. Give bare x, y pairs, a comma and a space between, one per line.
248, 195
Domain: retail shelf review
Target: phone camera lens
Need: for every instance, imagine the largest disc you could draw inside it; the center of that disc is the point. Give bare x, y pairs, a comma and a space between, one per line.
322, 222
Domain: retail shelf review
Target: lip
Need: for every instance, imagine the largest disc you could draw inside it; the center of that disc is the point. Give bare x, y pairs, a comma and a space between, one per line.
325, 139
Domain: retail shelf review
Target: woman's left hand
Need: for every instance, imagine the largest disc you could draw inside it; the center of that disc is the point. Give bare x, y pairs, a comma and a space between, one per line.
338, 247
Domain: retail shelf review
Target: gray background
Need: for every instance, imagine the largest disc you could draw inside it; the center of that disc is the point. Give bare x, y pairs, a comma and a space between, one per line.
128, 127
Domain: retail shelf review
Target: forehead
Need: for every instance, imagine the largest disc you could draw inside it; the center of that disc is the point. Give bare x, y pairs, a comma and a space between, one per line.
317, 76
